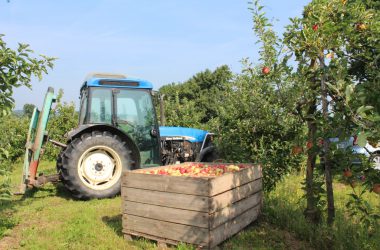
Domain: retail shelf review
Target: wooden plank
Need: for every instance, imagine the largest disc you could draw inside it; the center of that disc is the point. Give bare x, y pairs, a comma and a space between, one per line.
166, 183
234, 179
148, 236
225, 199
234, 210
232, 227
183, 201
181, 216
167, 230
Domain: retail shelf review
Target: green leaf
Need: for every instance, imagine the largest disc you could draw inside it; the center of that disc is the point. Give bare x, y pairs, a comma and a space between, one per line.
349, 91
362, 109
362, 139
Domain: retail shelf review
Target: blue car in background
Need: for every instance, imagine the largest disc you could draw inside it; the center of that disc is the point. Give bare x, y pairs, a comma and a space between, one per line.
369, 151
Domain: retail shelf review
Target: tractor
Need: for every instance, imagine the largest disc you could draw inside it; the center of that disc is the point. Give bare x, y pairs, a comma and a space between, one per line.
117, 131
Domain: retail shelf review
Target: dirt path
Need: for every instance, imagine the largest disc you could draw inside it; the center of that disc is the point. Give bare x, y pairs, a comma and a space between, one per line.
12, 241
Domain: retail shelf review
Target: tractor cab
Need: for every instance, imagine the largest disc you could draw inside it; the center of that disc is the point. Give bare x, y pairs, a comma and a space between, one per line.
126, 104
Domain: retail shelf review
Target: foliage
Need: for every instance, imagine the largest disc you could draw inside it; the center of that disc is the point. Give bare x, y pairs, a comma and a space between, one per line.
254, 127
62, 119
182, 112
195, 102
28, 109
13, 137
284, 208
334, 44
249, 112
255, 121
17, 68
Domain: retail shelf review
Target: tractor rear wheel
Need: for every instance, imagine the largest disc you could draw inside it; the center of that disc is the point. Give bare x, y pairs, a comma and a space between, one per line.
92, 165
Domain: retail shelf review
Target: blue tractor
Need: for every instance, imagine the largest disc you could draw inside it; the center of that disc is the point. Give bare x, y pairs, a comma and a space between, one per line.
118, 131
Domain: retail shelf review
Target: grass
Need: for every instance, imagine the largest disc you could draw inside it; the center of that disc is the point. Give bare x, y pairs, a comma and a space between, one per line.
48, 218
284, 208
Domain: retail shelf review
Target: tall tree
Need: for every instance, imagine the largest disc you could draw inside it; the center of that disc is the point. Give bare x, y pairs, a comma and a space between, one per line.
28, 109
195, 99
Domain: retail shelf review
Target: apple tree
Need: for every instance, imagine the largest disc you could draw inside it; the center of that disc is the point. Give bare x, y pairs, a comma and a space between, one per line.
335, 44
255, 121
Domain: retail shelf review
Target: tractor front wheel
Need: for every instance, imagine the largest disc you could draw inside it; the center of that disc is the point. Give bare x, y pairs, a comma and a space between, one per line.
92, 165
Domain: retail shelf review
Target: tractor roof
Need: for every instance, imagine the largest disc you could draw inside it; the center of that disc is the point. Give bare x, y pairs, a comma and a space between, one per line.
115, 81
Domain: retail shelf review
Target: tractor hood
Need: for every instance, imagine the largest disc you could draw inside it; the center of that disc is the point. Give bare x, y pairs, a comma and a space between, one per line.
190, 134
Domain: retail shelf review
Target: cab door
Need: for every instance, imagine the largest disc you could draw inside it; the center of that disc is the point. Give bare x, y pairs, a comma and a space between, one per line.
135, 115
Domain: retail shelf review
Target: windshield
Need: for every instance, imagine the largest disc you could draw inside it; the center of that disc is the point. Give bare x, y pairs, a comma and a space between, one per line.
101, 106
134, 107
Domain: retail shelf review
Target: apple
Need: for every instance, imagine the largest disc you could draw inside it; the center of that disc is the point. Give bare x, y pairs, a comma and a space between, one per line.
309, 145
361, 26
315, 27
330, 55
232, 168
265, 70
347, 173
296, 150
320, 142
376, 188
197, 170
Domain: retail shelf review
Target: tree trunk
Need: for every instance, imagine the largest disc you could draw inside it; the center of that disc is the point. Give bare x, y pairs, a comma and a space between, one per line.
326, 148
311, 212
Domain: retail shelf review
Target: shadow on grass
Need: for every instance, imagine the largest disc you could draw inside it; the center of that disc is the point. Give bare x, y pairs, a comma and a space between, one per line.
115, 223
49, 190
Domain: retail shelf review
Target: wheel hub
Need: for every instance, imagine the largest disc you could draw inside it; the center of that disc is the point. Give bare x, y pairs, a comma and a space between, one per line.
98, 167
376, 162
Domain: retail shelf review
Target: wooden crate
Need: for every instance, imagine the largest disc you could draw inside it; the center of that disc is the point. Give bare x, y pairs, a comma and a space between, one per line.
203, 211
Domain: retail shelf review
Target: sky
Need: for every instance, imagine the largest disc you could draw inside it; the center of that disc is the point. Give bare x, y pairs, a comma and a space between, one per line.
162, 41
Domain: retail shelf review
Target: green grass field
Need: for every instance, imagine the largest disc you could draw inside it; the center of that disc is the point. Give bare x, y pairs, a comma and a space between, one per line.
48, 218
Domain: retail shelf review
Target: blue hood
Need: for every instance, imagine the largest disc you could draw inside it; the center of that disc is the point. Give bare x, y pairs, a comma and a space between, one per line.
191, 134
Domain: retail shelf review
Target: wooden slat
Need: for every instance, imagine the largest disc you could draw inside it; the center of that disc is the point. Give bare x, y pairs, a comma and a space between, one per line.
235, 179
232, 227
151, 237
224, 199
168, 230
234, 210
174, 200
165, 183
181, 216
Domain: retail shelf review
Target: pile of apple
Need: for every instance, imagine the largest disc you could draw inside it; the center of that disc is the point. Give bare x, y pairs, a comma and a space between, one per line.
197, 169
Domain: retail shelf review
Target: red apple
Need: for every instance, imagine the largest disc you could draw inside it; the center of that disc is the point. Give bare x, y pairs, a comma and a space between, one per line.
376, 188
347, 173
315, 27
296, 150
265, 70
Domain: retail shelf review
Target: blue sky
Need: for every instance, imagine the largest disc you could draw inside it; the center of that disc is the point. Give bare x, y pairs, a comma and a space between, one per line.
162, 41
